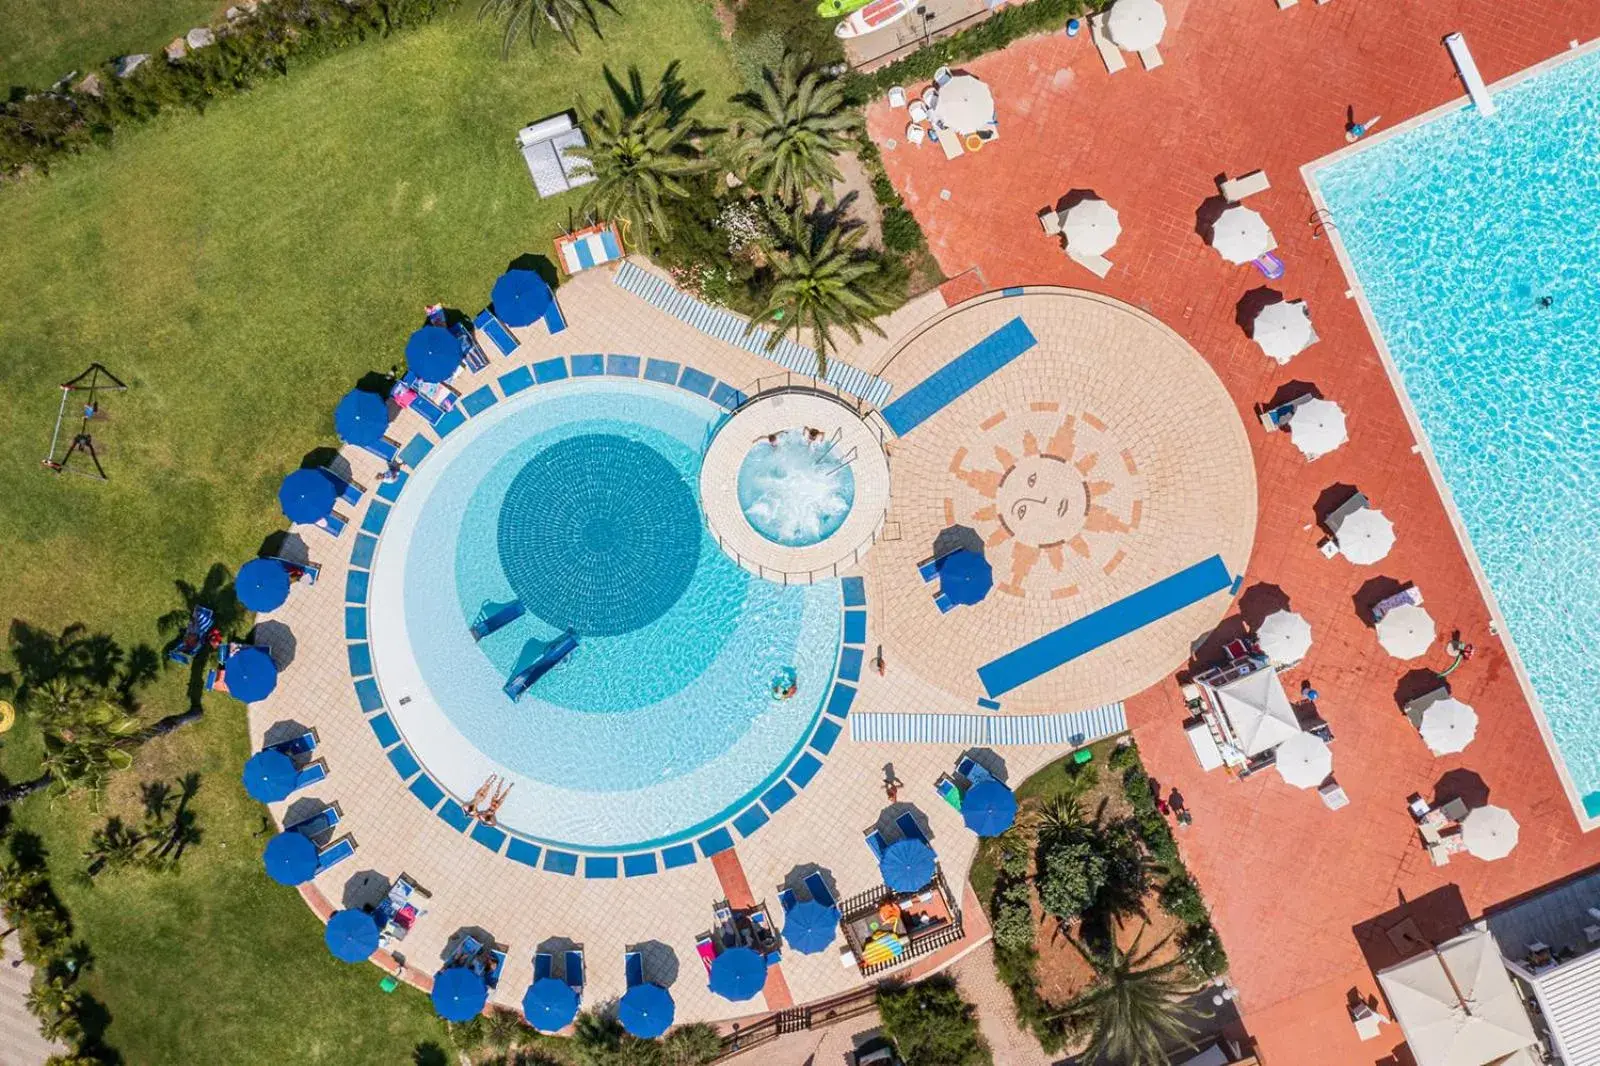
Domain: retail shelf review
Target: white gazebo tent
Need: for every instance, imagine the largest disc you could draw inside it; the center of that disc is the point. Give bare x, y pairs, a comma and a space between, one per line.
1240, 235
1457, 1006
965, 104
1317, 428
1283, 330
1135, 25
1255, 711
1284, 637
1091, 226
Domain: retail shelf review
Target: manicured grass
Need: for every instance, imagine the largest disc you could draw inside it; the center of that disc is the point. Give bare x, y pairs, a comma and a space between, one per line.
242, 269
40, 40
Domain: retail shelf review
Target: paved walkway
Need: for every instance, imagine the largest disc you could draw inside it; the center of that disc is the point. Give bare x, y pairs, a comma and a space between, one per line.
20, 1042
1303, 896
1012, 1045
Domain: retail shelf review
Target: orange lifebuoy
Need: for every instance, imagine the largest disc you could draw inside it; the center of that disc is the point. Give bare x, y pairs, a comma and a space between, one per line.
889, 912
974, 142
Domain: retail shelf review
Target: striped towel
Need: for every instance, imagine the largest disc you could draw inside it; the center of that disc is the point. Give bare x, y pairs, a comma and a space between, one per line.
1071, 729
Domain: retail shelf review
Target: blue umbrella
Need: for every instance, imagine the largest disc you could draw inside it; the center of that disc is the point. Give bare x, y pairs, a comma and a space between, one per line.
291, 859
809, 927
361, 417
965, 576
989, 808
520, 298
646, 1011
269, 776
262, 585
738, 973
251, 675
307, 496
433, 353
352, 936
459, 994
550, 1005
907, 865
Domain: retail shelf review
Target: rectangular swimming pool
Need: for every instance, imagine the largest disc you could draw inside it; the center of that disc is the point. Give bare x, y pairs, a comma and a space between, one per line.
1476, 242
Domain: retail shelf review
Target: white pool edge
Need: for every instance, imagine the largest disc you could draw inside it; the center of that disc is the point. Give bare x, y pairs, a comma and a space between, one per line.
1424, 447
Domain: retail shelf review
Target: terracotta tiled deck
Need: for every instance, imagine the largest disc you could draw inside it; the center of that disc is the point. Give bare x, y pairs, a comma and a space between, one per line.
1246, 86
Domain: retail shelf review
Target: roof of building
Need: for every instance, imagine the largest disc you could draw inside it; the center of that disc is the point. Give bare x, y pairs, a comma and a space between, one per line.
1568, 994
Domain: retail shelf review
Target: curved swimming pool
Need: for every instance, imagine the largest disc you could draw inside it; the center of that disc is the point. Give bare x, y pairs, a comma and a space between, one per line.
574, 507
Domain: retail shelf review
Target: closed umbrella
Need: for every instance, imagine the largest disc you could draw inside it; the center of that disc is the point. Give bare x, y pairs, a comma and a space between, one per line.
291, 859
907, 865
738, 974
1240, 235
646, 1011
459, 994
1283, 330
989, 808
351, 935
1317, 428
262, 585
520, 297
1135, 25
1304, 760
251, 675
1284, 637
307, 496
1490, 832
965, 104
1406, 632
1365, 536
1091, 226
269, 776
361, 417
965, 576
433, 353
549, 1005
1448, 726
809, 927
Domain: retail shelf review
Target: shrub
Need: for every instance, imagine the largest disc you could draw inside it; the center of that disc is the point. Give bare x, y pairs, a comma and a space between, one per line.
1124, 756
691, 1045
761, 27
1071, 875
1180, 897
1136, 786
1013, 918
1014, 862
932, 1025
1202, 950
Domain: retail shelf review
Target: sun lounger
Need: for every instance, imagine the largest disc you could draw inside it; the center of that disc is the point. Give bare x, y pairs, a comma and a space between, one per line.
972, 770
1110, 54
1270, 265
1285, 4
491, 326
1275, 418
385, 449
195, 635
1051, 222
572, 971
319, 823
1410, 596
335, 853
1151, 58
817, 885
633, 968
1368, 1022
469, 950
1098, 265
348, 491
707, 952
310, 775
554, 321
1414, 709
304, 744
948, 791
786, 900
332, 524
497, 963
542, 965
875, 841
907, 824
412, 400
498, 619
1234, 190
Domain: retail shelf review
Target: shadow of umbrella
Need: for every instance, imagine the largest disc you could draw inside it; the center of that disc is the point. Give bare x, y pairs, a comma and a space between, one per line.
660, 962
1464, 785
957, 538
1206, 215
1208, 649
279, 640
1330, 500
282, 544
1415, 684
1252, 304
1261, 600
283, 732
365, 890
1371, 593
1290, 391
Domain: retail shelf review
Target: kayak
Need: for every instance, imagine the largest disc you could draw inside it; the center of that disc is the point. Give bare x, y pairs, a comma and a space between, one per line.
832, 9
873, 17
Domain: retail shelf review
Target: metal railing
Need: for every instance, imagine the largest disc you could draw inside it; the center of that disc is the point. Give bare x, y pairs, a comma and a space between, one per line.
818, 1015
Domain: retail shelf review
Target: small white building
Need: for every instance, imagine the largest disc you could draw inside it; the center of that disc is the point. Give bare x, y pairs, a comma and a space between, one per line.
1551, 946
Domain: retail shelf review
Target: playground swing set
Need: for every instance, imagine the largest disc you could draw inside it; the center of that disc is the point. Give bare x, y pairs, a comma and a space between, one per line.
93, 382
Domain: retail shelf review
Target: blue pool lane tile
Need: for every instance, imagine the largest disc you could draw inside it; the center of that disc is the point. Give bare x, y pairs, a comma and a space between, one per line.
516, 380
480, 401
714, 842
414, 452
453, 419
355, 623
661, 370
839, 700
560, 862
355, 586
626, 366
360, 660
377, 514
548, 370
776, 796
850, 664
752, 819
383, 726
804, 769
453, 816
405, 762
603, 867
523, 851
678, 855
726, 396
361, 554
825, 736
428, 791
489, 836
390, 490
368, 696
855, 627
588, 366
696, 381
951, 381
639, 865
854, 590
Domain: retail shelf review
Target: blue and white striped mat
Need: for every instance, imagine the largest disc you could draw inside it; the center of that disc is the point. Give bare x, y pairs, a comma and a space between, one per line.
731, 329
1071, 729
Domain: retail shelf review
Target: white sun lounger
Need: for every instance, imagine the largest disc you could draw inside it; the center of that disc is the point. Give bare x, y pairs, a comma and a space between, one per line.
1151, 58
1234, 190
1051, 222
1099, 264
1110, 54
1282, 4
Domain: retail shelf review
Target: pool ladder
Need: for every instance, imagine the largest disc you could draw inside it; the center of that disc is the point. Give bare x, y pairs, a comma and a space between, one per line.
833, 441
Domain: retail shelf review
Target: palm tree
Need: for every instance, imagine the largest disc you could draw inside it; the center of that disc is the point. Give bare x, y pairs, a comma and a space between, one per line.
639, 153
111, 847
56, 1004
525, 18
85, 736
824, 282
1136, 1007
799, 120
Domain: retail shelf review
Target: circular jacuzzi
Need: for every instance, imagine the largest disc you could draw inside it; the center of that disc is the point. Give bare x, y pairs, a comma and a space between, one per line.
795, 488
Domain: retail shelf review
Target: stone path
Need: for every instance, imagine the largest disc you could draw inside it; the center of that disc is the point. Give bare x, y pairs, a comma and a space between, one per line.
1012, 1045
20, 1042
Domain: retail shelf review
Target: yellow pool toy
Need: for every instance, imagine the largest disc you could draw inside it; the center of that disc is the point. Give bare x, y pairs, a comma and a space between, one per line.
8, 716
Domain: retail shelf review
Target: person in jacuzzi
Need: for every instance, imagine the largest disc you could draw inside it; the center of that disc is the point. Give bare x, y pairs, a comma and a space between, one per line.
814, 436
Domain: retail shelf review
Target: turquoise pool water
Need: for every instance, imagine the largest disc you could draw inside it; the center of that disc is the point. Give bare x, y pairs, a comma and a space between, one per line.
794, 490
1477, 242
578, 500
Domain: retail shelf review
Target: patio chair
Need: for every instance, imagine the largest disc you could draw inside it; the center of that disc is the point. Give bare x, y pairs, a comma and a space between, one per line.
633, 968
918, 111
897, 96
875, 842
1237, 189
542, 965
1110, 54
948, 791
310, 775
304, 744
786, 900
335, 853
941, 76
195, 634
915, 134
490, 326
1051, 221
572, 971
707, 951
1151, 58
930, 97
907, 824
817, 885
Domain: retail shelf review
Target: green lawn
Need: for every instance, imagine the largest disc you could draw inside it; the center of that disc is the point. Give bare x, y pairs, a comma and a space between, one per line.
241, 270
40, 40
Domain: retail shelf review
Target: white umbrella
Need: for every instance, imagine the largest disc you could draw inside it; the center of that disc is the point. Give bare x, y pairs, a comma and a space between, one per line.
1317, 428
1490, 832
1283, 330
965, 104
1406, 632
1135, 25
1284, 636
1241, 235
1091, 226
1365, 536
1304, 760
1448, 725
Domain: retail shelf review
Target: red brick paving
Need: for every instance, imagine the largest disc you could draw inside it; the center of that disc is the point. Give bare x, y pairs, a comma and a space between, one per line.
1246, 86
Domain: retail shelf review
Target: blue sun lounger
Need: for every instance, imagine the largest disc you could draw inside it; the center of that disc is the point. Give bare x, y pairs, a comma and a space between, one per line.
310, 775
907, 824
322, 822
817, 885
385, 449
972, 770
875, 841
332, 524
335, 853
193, 641
573, 971
467, 953
498, 619
490, 326
543, 963
497, 963
553, 653
786, 900
348, 491
304, 744
633, 968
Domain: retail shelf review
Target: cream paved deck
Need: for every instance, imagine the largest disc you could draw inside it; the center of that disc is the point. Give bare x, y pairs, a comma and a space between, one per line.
20, 1042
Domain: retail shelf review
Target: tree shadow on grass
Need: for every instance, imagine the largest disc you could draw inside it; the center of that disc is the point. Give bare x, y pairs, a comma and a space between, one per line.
429, 1054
